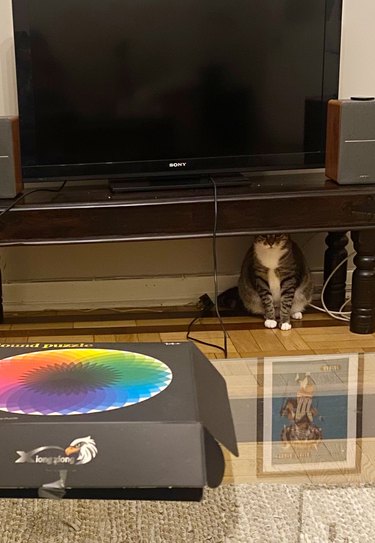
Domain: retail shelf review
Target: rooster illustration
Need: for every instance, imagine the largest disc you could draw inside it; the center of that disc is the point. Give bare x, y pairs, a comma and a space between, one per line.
84, 448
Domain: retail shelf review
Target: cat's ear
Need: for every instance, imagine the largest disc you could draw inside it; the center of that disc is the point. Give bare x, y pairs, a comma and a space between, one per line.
282, 238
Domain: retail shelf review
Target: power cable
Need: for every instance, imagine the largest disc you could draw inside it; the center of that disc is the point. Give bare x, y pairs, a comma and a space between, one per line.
15, 202
214, 254
339, 315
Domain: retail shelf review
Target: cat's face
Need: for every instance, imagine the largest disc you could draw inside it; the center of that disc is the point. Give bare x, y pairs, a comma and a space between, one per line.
272, 240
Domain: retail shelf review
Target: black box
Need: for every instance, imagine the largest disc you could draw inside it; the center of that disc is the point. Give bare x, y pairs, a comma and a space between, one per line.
134, 420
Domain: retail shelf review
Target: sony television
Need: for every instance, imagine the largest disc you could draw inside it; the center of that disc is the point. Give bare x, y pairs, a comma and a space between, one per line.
176, 90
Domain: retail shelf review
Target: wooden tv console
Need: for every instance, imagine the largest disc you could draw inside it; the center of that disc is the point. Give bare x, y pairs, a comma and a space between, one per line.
275, 203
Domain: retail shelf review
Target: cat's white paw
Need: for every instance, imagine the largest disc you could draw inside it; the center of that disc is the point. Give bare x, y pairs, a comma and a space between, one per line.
285, 326
270, 323
297, 315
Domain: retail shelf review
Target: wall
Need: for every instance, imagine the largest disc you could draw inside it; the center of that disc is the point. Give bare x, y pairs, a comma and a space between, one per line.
155, 273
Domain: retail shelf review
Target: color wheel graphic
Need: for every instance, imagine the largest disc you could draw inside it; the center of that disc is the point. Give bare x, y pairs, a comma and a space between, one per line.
79, 381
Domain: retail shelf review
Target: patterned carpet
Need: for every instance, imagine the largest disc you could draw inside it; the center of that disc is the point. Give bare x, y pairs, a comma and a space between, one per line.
262, 513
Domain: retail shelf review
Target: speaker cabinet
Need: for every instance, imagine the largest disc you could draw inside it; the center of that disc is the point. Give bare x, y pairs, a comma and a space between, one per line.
10, 158
350, 151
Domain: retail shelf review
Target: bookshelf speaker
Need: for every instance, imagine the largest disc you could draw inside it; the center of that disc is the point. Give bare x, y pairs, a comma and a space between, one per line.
10, 158
350, 150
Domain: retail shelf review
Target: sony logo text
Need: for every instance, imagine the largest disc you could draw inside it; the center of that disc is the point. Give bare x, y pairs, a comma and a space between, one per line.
177, 164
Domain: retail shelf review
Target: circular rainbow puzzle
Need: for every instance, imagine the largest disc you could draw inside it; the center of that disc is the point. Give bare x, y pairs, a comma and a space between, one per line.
79, 381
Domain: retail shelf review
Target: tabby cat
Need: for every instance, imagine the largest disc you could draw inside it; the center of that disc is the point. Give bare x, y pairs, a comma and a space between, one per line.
275, 281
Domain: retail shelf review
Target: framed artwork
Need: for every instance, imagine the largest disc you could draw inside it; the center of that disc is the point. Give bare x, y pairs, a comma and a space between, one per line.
309, 417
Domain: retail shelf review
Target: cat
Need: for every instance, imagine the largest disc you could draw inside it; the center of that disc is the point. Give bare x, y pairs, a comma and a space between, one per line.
275, 280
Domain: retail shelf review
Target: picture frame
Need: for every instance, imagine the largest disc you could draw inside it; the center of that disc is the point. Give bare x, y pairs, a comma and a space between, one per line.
309, 414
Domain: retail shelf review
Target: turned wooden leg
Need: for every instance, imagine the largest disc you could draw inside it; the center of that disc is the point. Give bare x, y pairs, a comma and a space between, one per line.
363, 288
334, 295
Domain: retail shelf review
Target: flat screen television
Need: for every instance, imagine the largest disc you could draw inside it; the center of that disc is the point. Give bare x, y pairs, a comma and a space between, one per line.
173, 89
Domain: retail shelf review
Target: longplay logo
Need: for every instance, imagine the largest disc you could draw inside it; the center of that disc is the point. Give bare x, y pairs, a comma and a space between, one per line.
80, 451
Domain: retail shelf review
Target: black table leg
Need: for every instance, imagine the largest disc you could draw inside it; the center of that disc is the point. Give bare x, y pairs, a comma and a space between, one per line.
363, 287
334, 295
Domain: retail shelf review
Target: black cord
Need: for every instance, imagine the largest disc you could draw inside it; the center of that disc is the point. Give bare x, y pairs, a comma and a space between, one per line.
214, 253
199, 340
27, 194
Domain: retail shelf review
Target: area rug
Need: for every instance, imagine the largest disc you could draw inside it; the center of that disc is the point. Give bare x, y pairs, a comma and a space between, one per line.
259, 513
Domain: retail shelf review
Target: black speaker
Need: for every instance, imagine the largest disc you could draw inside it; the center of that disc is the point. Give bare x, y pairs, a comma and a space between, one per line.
10, 158
350, 152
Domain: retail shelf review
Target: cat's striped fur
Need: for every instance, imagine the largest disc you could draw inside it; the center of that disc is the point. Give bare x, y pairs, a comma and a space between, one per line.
275, 280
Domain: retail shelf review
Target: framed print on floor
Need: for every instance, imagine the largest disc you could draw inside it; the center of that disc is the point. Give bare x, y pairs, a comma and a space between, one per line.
308, 414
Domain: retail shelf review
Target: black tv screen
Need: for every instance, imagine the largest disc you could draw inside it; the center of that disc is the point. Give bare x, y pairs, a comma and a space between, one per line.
127, 88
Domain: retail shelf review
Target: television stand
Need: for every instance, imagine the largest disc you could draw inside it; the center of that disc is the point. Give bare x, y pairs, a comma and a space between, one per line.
277, 203
175, 182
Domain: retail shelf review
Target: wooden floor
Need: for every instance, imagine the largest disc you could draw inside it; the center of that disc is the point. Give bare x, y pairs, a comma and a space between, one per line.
315, 334
248, 342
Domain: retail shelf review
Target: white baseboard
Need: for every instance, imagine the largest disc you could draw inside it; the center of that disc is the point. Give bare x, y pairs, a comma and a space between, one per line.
120, 293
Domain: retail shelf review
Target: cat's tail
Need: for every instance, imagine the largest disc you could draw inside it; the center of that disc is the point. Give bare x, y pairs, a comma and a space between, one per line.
230, 299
